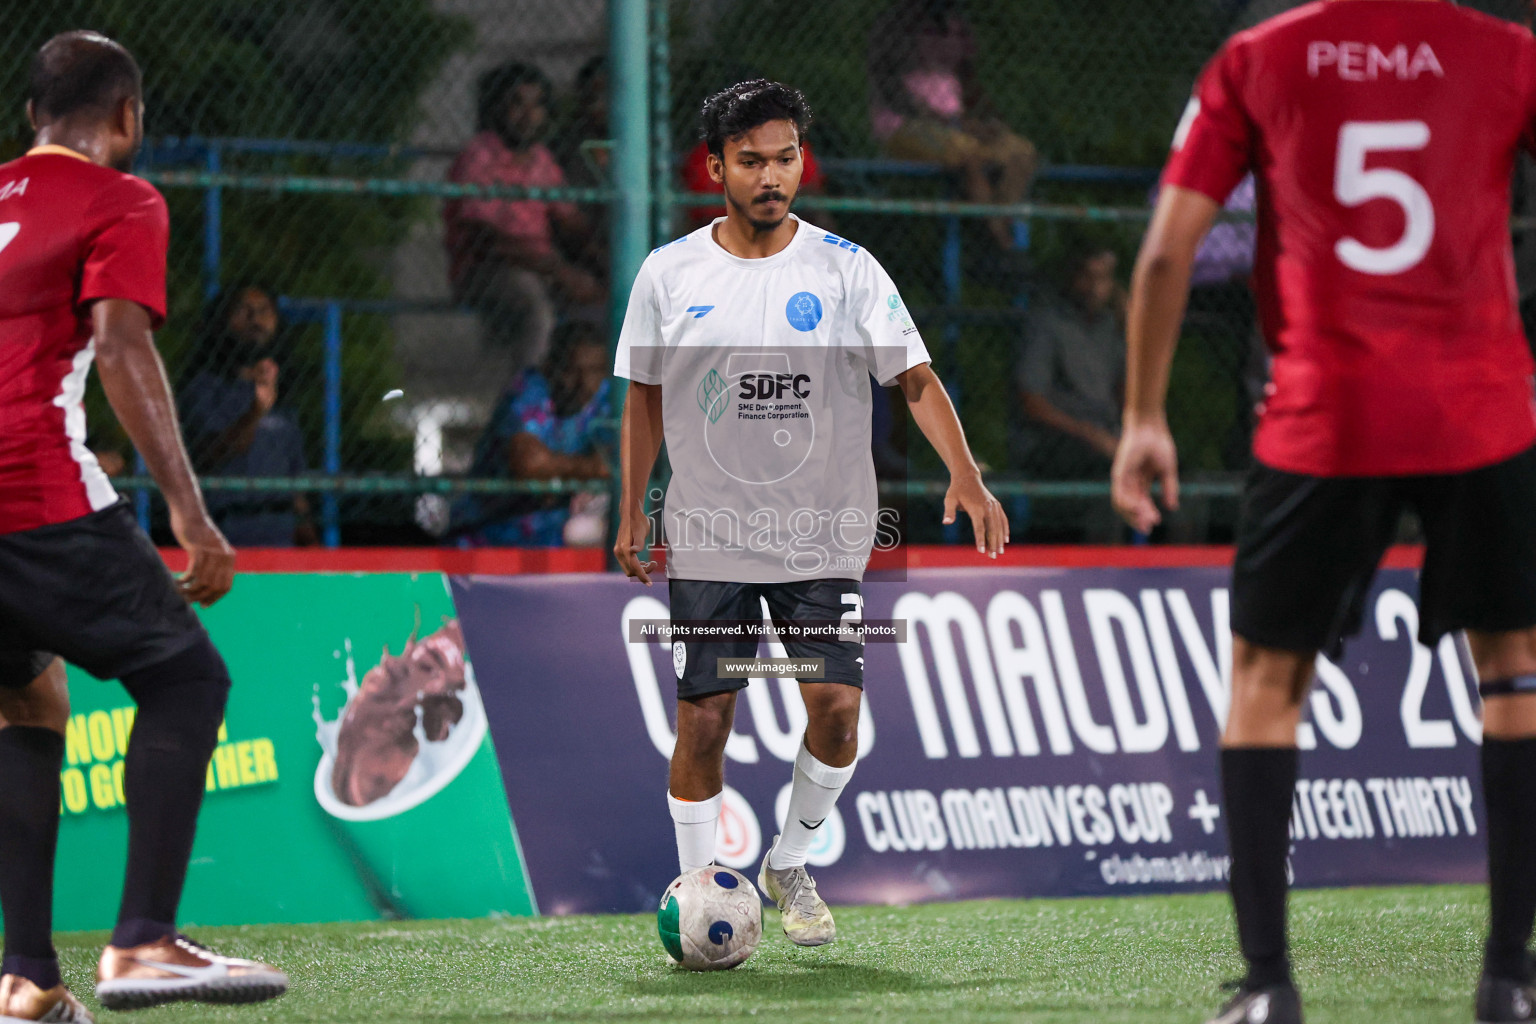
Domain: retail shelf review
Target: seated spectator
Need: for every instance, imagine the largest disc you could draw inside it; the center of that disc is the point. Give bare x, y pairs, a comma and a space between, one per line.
549, 425
580, 143
1071, 374
512, 259
228, 400
927, 105
695, 178
584, 150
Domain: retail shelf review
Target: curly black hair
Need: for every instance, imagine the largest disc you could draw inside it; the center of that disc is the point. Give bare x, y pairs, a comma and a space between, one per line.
731, 113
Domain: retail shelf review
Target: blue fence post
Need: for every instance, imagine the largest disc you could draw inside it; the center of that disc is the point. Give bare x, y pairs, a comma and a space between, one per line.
1021, 504
329, 514
661, 125
213, 225
629, 121
1021, 233
952, 262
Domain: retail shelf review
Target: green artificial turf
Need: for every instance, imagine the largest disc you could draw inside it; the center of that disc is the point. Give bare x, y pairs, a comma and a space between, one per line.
1404, 955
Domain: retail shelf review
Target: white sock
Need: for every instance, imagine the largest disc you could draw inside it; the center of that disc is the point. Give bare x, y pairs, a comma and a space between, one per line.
811, 798
695, 822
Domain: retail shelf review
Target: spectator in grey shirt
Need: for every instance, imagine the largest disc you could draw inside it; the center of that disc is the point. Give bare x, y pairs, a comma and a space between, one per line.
1071, 373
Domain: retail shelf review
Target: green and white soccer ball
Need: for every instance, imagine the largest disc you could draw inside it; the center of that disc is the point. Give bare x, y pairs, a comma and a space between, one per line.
710, 919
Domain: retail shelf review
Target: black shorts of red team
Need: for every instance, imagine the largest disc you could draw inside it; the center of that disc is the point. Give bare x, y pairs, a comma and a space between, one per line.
93, 591
1308, 548
820, 600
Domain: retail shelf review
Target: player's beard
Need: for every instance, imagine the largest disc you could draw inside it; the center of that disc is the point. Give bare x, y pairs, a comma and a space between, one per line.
747, 209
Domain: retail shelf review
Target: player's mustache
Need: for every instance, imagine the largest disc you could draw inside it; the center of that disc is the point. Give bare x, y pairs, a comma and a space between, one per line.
769, 197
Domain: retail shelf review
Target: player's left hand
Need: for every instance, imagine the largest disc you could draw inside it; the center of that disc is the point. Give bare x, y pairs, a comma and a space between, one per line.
631, 546
1146, 454
969, 494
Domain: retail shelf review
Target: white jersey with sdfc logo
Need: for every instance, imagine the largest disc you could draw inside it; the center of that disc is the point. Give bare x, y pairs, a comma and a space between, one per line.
765, 368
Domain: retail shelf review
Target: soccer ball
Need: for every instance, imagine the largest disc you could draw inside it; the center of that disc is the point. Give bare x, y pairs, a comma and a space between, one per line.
710, 919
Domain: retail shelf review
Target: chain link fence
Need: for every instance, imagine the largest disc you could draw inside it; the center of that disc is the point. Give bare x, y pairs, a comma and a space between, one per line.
385, 212
1068, 109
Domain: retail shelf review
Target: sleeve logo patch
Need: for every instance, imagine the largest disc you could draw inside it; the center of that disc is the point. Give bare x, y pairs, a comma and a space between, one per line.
841, 243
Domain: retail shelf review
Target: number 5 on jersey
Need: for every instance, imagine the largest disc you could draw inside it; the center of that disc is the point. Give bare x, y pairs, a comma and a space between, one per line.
1354, 185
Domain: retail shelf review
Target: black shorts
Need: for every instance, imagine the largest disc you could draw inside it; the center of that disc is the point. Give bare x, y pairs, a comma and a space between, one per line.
93, 591
803, 600
1308, 547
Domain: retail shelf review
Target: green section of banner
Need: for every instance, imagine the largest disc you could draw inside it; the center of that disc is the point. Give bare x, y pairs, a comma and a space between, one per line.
274, 843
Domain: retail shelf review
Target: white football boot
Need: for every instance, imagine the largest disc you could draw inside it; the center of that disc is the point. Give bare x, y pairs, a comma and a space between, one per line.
175, 969
805, 915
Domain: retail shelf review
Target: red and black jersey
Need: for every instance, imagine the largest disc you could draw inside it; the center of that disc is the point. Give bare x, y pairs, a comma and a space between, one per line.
71, 232
1382, 134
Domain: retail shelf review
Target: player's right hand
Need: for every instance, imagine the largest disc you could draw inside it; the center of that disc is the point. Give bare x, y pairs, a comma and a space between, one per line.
210, 560
632, 544
968, 494
1146, 454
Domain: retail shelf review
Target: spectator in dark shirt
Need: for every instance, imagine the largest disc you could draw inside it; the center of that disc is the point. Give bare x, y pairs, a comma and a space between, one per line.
1071, 373
581, 140
228, 398
549, 425
583, 147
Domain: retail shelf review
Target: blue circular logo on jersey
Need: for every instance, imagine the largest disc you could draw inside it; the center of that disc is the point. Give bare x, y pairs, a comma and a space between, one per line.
803, 311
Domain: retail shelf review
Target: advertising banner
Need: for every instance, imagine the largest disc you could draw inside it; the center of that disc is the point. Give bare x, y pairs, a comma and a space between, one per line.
355, 776
1043, 732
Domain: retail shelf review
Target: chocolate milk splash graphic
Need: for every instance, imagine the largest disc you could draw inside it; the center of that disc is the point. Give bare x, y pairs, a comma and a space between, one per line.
393, 735
408, 778
376, 744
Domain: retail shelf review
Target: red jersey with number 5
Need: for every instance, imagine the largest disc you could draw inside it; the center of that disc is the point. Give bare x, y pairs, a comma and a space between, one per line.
1382, 134
71, 232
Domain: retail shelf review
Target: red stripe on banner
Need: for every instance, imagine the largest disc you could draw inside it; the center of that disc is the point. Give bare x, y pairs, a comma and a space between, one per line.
453, 561
535, 561
1148, 556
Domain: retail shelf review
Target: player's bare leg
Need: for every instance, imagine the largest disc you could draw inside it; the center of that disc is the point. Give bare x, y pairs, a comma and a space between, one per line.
822, 768
1506, 670
1258, 776
32, 722
697, 775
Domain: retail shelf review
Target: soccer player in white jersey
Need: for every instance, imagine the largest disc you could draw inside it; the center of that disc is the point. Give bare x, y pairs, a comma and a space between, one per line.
750, 345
